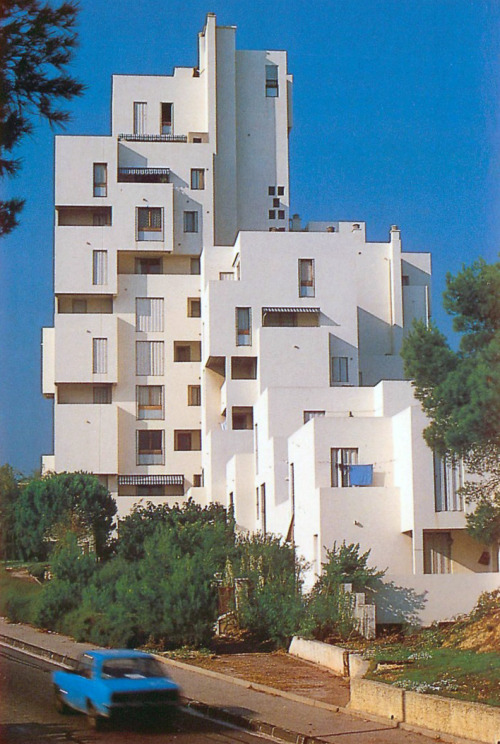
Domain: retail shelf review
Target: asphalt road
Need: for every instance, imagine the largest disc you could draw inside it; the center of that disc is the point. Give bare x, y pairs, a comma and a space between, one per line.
27, 715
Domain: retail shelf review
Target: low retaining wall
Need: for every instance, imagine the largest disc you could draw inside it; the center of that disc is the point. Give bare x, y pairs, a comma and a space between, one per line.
444, 715
337, 659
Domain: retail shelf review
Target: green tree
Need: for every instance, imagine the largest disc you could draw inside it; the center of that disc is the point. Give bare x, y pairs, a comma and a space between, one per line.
37, 45
62, 499
460, 390
9, 493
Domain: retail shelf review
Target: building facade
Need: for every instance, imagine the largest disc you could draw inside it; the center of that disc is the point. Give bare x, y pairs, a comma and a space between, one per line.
206, 345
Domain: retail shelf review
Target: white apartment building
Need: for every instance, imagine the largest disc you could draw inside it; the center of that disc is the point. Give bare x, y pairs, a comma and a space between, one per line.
205, 345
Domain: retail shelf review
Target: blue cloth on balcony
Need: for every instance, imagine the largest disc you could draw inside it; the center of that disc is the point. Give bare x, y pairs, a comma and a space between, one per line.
360, 475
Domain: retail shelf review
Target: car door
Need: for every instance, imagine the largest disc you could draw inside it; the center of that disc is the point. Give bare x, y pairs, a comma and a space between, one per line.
79, 682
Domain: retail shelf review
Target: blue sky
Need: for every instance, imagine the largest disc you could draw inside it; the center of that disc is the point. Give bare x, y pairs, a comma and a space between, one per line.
396, 121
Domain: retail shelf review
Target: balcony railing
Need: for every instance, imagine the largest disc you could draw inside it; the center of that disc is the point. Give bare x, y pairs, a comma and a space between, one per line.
143, 175
153, 137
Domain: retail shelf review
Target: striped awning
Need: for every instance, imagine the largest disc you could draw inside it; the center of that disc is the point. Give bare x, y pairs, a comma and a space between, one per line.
150, 480
290, 310
144, 171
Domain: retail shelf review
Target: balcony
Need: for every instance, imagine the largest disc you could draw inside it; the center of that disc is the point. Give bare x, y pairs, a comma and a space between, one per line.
143, 175
152, 138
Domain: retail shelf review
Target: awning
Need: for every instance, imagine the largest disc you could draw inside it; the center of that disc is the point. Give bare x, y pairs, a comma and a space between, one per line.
150, 480
144, 171
290, 310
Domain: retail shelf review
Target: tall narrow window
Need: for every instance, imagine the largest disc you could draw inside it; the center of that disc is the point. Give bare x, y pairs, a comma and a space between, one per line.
263, 525
99, 267
306, 277
166, 118
194, 266
437, 552
149, 357
100, 356
149, 223
272, 90
197, 178
243, 326
191, 222
140, 117
341, 458
100, 179
340, 369
150, 448
194, 395
149, 400
149, 314
448, 480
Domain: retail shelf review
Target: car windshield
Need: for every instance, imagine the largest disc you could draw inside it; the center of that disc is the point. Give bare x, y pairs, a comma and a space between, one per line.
132, 668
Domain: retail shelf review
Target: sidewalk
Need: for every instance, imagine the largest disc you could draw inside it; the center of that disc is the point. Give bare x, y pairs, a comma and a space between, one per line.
284, 715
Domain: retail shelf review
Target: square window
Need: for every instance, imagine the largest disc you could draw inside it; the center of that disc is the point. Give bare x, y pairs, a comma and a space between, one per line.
244, 368
149, 400
197, 178
271, 190
150, 447
281, 214
272, 214
187, 440
149, 223
242, 417
281, 190
190, 222
276, 202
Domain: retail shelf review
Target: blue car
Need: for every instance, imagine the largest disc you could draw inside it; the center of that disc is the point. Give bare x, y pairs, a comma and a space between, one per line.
106, 683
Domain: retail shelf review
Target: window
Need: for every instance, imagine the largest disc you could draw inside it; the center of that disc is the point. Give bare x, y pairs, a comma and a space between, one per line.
194, 307
79, 306
281, 214
243, 326
272, 214
290, 318
437, 552
340, 369
341, 458
405, 280
263, 524
195, 267
243, 368
148, 266
150, 447
197, 480
149, 314
272, 90
140, 117
146, 492
226, 276
187, 440
101, 394
242, 417
306, 277
149, 399
187, 351
271, 190
149, 223
276, 202
197, 178
281, 191
99, 267
99, 356
166, 118
149, 357
194, 395
100, 179
448, 480
308, 415
190, 222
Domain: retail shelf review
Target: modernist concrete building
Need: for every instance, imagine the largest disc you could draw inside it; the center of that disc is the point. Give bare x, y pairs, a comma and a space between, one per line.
205, 345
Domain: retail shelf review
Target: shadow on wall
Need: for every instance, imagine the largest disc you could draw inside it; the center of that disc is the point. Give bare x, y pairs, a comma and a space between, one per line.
397, 604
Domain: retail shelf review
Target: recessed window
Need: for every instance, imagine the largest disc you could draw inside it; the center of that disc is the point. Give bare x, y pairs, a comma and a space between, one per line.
101, 394
306, 277
281, 190
190, 222
405, 280
308, 415
187, 440
272, 90
84, 216
149, 314
166, 118
100, 356
100, 179
281, 214
150, 447
242, 417
226, 276
197, 178
194, 307
271, 190
340, 369
272, 214
276, 202
99, 267
148, 266
194, 266
149, 400
149, 223
243, 368
140, 117
243, 326
187, 351
437, 552
194, 395
149, 357
197, 480
341, 459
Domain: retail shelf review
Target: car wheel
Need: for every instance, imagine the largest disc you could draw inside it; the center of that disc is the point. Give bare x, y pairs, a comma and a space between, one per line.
59, 703
95, 721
